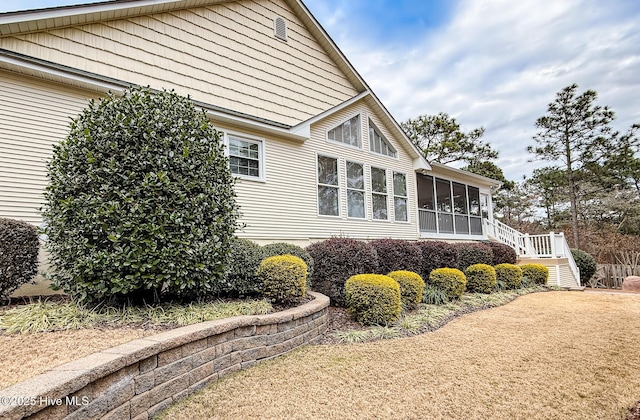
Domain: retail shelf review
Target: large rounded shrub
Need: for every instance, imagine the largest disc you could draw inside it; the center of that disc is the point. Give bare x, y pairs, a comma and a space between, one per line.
373, 298
450, 280
284, 248
19, 247
337, 259
397, 254
242, 278
470, 253
509, 276
534, 273
586, 263
481, 278
140, 202
437, 254
411, 287
502, 253
284, 278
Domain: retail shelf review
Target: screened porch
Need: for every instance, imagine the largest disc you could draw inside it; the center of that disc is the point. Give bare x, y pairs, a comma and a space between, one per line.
448, 208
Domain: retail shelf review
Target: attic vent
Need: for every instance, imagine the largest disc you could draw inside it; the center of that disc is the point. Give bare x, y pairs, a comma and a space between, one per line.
280, 28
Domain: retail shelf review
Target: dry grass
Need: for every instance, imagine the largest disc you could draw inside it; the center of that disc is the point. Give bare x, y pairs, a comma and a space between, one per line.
546, 355
24, 356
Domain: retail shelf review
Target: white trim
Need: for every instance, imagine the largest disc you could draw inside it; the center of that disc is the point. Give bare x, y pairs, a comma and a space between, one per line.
82, 9
38, 68
261, 154
484, 181
339, 215
331, 111
355, 114
433, 235
221, 117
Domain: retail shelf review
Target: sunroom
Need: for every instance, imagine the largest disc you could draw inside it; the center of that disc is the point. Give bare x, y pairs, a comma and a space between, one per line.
453, 203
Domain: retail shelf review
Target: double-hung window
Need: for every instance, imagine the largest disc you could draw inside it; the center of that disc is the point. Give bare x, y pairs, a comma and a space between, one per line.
400, 197
245, 157
355, 190
328, 186
347, 132
379, 193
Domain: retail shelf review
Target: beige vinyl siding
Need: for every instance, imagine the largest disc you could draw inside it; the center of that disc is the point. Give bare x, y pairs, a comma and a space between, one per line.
285, 207
225, 54
35, 115
567, 279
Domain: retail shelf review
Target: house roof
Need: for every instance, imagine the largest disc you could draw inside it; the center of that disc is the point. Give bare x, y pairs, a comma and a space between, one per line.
21, 22
465, 175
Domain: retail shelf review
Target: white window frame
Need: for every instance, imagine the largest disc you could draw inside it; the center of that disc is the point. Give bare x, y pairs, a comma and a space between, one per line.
374, 127
386, 194
406, 197
363, 190
360, 147
261, 154
338, 186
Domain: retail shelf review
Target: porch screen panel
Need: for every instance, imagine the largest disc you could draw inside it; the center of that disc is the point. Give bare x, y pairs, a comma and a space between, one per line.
443, 195
444, 206
476, 225
445, 222
426, 203
460, 208
475, 219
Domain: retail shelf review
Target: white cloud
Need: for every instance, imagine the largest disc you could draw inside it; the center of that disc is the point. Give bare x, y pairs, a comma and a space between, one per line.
499, 63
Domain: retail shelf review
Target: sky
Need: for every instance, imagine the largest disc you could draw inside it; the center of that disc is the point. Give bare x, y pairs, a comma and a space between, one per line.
490, 63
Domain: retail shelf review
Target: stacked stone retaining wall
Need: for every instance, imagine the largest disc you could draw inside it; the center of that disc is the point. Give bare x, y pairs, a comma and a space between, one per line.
138, 379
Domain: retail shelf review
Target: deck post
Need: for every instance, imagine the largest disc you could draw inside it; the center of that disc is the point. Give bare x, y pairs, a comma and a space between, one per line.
527, 245
552, 238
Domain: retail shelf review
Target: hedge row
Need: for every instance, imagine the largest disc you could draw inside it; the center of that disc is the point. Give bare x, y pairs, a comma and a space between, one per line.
337, 259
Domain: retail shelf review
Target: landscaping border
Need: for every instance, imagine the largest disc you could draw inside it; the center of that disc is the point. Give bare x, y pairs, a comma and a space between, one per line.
138, 379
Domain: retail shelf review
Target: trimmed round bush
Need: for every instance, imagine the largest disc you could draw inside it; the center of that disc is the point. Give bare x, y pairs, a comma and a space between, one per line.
373, 298
337, 259
437, 254
242, 278
397, 254
534, 273
284, 278
284, 248
473, 253
481, 278
411, 287
586, 263
140, 204
19, 247
508, 276
502, 253
450, 280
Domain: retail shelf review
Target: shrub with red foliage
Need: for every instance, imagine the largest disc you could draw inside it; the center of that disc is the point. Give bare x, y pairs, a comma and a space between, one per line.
397, 254
470, 253
503, 253
437, 254
337, 259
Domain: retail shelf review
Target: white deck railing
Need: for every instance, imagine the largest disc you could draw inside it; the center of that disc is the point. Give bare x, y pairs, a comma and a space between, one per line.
550, 245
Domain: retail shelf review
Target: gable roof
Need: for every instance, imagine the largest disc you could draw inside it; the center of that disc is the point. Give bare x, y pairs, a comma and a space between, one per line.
22, 22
